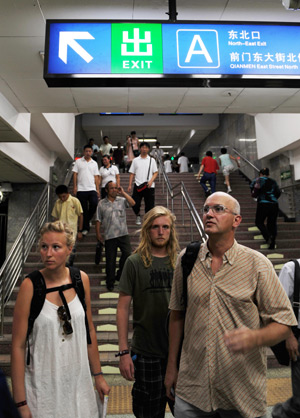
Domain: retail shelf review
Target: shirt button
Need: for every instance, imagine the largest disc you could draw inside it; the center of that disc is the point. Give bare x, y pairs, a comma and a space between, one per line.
63, 340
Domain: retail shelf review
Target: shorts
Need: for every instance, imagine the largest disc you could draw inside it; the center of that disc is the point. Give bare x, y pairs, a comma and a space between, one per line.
228, 169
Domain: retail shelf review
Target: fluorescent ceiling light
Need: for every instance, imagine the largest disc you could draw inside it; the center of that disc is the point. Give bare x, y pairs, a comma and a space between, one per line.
247, 140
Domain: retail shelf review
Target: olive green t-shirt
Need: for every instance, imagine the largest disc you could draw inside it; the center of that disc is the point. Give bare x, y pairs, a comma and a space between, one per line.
150, 289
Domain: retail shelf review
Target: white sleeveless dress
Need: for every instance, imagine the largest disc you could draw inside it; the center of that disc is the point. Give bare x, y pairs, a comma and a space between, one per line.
58, 380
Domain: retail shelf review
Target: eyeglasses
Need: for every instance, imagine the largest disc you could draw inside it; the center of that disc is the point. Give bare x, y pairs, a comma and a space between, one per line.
217, 209
62, 314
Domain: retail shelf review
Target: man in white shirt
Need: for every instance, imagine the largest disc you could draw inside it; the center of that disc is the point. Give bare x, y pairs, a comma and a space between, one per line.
144, 172
86, 185
106, 148
183, 163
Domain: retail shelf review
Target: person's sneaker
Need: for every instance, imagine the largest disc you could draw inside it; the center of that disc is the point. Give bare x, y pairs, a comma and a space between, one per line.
229, 190
85, 232
138, 220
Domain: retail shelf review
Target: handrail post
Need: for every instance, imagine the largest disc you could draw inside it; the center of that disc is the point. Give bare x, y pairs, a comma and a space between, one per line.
2, 306
192, 232
182, 207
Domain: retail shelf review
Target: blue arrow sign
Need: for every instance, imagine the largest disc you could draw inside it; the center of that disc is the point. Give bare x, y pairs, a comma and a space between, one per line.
83, 48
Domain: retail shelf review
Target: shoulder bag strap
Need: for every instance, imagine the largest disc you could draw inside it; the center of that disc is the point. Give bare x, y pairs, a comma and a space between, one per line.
296, 304
149, 168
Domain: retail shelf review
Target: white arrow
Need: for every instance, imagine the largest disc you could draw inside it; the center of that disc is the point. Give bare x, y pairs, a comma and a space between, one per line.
68, 39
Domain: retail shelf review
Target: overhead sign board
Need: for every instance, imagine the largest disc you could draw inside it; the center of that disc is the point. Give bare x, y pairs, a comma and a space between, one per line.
97, 53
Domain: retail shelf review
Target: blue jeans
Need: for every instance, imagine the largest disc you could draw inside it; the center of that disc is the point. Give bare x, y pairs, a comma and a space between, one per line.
211, 178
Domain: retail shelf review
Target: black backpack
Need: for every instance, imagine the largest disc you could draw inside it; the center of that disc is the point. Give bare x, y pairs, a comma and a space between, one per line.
187, 263
39, 295
279, 349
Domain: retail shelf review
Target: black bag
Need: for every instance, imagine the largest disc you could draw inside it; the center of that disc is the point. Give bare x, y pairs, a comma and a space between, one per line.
256, 189
279, 349
187, 263
142, 187
98, 253
136, 152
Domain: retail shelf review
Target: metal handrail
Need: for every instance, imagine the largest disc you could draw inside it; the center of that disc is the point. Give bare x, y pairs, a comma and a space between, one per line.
245, 159
12, 267
172, 192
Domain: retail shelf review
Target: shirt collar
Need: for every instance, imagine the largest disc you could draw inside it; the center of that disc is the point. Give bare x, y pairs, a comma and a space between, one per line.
229, 256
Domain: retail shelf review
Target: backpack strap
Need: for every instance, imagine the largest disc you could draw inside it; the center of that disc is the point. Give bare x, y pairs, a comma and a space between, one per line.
37, 302
187, 263
79, 288
38, 298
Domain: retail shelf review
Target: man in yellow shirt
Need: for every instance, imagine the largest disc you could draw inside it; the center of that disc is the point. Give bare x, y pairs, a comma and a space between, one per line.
68, 209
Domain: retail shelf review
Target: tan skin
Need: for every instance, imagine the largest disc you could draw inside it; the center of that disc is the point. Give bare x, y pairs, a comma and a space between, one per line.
54, 252
159, 235
220, 229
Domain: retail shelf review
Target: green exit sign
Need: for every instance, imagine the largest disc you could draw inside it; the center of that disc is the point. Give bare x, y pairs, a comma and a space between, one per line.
136, 48
285, 175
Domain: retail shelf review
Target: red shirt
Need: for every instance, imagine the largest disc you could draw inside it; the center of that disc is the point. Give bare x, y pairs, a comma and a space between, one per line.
210, 165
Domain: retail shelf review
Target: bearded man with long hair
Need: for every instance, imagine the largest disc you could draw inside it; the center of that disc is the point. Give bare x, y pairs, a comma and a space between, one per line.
146, 280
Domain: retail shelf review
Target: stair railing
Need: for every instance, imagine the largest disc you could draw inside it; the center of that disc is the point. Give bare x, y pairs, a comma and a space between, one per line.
256, 170
180, 190
13, 266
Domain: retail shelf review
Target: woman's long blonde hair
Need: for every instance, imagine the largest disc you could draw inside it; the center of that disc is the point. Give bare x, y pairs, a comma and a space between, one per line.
144, 249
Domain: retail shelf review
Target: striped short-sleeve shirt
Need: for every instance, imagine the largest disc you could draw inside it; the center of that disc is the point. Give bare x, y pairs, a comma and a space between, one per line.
245, 291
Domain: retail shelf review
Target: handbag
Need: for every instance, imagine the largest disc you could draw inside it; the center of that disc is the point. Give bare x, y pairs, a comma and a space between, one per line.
98, 253
144, 185
136, 152
279, 349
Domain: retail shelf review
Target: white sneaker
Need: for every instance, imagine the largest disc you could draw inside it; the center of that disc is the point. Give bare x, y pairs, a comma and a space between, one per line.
229, 190
138, 220
85, 232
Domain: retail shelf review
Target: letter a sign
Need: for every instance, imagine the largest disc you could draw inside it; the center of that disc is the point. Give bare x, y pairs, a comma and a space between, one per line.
197, 48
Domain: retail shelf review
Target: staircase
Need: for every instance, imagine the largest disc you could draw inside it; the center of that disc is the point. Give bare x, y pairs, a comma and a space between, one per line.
104, 303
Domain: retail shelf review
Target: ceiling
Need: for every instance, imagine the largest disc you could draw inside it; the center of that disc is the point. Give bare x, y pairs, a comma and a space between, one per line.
22, 37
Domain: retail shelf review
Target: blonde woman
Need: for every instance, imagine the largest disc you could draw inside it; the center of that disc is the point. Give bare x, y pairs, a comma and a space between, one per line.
57, 382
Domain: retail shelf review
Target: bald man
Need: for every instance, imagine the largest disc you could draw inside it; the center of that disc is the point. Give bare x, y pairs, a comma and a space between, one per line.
236, 307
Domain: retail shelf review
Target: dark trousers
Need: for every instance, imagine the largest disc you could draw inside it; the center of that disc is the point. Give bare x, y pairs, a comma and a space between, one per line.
149, 398
111, 246
89, 202
291, 407
211, 178
269, 211
149, 198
